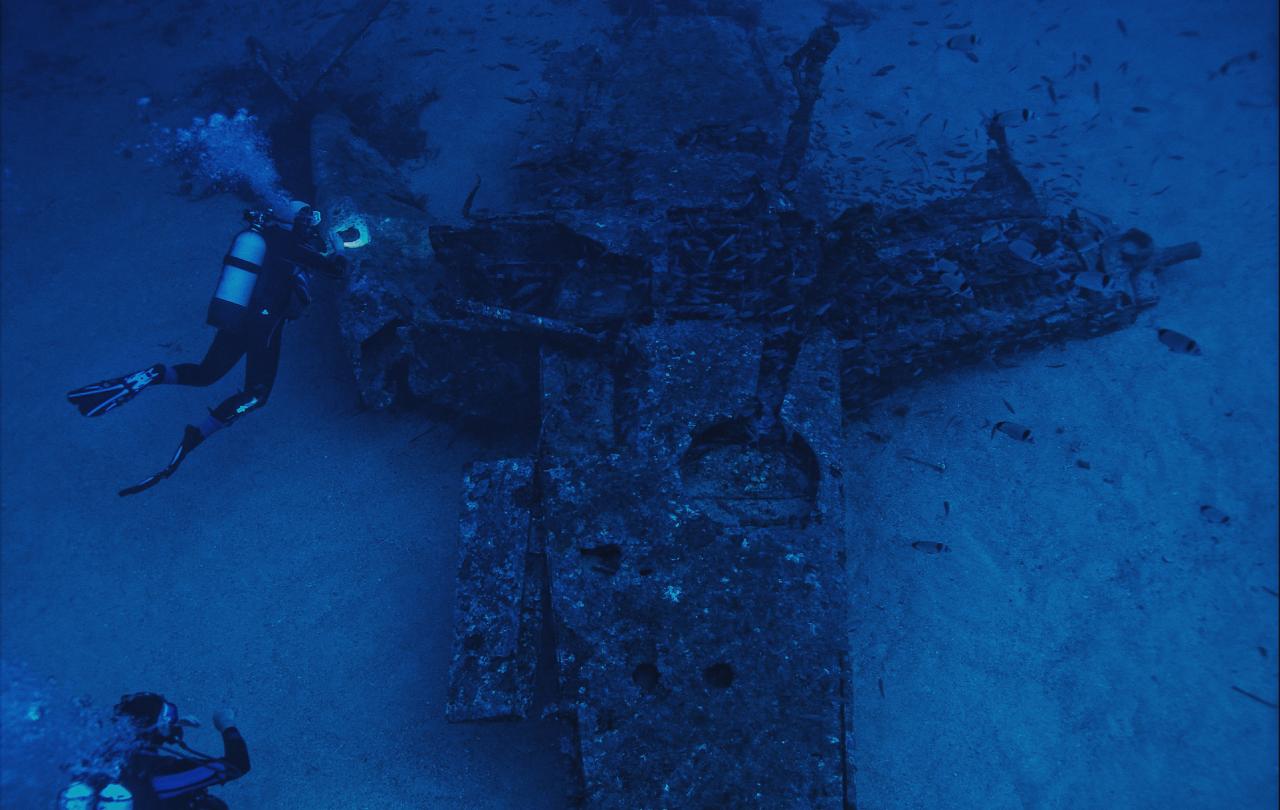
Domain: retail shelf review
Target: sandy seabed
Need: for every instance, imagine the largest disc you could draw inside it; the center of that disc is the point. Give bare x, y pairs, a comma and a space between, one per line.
1076, 647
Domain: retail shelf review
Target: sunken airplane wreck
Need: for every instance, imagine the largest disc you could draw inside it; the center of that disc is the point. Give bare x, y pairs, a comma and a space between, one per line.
686, 334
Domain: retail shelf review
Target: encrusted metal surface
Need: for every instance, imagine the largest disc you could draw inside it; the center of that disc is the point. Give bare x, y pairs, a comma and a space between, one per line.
497, 604
684, 327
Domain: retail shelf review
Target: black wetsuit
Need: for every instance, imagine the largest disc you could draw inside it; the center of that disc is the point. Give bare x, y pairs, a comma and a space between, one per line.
281, 294
163, 780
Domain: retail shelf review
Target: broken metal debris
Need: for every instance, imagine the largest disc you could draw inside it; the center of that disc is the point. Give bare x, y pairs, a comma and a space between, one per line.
684, 328
297, 79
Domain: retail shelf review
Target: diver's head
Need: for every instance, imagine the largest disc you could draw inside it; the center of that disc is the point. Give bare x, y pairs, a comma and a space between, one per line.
304, 216
154, 719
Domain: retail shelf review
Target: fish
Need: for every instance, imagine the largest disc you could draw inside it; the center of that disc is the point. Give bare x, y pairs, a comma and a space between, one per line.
1251, 56
930, 547
1213, 514
1007, 405
471, 197
1252, 696
1097, 93
884, 71
936, 466
1012, 118
1013, 430
508, 66
1048, 83
728, 241
1124, 31
1177, 342
962, 42
527, 289
1141, 109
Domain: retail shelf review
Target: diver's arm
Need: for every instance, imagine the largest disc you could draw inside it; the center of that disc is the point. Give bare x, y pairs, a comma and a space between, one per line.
203, 774
329, 264
206, 773
319, 257
235, 751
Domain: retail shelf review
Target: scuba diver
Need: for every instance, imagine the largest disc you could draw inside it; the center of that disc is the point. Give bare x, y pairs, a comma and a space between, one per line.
160, 771
264, 283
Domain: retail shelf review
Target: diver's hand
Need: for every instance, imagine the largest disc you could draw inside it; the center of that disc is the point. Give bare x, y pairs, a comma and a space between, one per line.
224, 719
334, 266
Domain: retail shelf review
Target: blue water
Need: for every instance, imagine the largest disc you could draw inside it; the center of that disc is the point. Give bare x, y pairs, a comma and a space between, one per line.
1090, 641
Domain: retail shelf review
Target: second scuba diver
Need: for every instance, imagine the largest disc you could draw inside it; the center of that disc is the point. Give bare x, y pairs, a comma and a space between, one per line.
264, 283
160, 771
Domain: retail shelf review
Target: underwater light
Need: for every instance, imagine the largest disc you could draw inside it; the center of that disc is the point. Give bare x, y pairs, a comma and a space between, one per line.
353, 232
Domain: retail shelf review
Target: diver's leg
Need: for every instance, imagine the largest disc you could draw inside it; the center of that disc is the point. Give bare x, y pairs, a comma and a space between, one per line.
191, 439
101, 397
262, 362
225, 351
260, 373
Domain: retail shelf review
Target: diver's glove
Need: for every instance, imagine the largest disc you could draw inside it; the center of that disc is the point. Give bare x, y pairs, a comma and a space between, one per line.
326, 258
191, 439
337, 265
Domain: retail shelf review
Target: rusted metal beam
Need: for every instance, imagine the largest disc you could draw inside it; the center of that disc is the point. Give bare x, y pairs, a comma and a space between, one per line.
298, 79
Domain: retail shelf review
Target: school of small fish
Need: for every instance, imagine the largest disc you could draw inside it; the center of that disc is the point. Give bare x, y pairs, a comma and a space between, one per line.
1039, 119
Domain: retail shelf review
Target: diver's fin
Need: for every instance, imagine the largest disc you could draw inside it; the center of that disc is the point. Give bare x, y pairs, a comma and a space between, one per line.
191, 439
101, 397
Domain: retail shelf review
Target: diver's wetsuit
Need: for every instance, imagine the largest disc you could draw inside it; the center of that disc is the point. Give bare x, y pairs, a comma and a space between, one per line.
280, 294
164, 780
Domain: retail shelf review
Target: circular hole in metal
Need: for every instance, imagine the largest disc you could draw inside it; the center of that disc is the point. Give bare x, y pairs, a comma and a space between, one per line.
646, 676
719, 675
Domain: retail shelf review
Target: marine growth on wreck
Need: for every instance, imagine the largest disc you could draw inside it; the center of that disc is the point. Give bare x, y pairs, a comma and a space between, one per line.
669, 318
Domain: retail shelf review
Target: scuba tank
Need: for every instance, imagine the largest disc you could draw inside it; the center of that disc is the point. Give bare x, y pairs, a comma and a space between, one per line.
115, 796
240, 268
81, 796
78, 796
